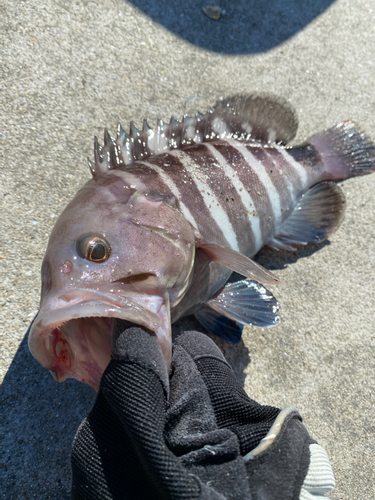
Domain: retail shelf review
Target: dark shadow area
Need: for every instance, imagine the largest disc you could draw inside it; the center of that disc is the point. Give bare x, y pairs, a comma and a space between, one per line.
237, 355
39, 419
273, 259
245, 27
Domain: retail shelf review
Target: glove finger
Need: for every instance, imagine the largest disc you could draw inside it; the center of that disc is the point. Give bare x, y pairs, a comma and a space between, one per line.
211, 454
233, 409
136, 345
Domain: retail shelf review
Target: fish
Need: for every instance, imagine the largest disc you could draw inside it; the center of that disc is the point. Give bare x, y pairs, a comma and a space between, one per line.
171, 212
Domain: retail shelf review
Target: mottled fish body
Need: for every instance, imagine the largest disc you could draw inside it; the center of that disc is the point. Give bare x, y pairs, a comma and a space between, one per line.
169, 214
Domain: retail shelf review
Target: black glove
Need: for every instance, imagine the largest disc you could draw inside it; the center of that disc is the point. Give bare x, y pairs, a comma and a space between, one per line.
198, 437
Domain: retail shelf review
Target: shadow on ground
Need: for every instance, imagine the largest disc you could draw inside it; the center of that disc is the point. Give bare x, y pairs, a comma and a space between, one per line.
42, 417
274, 259
246, 27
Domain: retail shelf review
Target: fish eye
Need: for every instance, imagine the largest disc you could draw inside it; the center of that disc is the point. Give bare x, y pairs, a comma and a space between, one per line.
93, 247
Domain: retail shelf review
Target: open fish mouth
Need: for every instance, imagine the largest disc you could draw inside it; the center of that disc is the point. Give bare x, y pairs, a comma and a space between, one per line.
72, 334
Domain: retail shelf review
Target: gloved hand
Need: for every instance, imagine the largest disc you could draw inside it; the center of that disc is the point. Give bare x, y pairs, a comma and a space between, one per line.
197, 437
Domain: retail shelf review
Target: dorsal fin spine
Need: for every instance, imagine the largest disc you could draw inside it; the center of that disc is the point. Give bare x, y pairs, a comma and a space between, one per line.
123, 145
145, 133
102, 159
138, 148
120, 131
92, 168
175, 136
111, 150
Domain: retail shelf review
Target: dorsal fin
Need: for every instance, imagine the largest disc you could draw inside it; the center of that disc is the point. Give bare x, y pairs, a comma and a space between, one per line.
262, 117
242, 117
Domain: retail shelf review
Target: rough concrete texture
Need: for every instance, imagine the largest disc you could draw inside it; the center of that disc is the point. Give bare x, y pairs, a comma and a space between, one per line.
70, 69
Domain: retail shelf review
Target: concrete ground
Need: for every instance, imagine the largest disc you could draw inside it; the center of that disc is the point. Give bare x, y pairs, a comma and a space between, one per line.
71, 68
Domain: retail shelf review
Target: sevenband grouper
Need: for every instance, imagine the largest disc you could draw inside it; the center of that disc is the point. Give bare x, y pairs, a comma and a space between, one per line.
170, 212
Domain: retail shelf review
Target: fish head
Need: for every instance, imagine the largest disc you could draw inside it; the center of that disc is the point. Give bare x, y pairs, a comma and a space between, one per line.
117, 251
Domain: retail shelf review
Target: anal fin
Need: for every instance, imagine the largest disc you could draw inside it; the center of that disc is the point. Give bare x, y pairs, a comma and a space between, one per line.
316, 216
245, 302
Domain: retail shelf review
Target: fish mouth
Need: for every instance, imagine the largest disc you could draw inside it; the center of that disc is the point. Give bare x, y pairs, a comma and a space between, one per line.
72, 334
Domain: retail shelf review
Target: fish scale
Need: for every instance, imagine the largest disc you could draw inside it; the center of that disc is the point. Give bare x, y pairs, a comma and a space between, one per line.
168, 215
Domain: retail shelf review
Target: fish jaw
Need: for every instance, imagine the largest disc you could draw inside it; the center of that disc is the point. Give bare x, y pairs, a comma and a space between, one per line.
72, 334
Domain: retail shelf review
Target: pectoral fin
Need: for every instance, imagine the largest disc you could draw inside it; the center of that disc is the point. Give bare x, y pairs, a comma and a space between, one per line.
248, 303
241, 303
238, 262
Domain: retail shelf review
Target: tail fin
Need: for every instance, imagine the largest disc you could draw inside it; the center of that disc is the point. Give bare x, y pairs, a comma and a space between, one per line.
345, 150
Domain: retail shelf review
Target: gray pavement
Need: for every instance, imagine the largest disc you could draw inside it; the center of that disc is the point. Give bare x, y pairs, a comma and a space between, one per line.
71, 68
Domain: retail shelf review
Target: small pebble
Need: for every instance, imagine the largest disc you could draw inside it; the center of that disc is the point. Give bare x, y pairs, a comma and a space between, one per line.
213, 12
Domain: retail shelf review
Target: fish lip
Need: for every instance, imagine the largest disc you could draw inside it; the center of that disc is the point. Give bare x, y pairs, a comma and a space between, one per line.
49, 333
